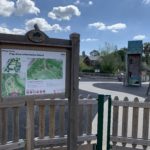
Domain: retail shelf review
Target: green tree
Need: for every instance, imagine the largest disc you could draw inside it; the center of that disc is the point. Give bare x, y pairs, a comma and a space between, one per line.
112, 59
110, 62
147, 52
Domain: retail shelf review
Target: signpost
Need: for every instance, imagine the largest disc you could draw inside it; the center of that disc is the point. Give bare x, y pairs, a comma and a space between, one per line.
133, 63
35, 66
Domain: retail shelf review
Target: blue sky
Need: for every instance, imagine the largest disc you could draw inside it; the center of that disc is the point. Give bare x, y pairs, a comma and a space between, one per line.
97, 21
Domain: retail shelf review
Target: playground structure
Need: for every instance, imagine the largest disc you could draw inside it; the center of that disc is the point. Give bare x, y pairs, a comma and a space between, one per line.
147, 53
133, 64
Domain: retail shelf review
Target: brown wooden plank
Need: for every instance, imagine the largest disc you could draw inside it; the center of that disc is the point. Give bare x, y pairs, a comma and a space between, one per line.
135, 122
4, 126
10, 104
52, 121
115, 119
89, 122
16, 124
61, 140
125, 120
80, 118
41, 121
51, 102
13, 146
145, 124
124, 148
131, 104
30, 126
88, 101
73, 93
80, 147
139, 141
62, 120
63, 101
23, 40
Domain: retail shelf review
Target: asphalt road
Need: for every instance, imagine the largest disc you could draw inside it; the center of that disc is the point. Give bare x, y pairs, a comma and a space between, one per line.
111, 87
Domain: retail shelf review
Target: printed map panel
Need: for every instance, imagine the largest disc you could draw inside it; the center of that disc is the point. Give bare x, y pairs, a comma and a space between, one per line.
12, 85
28, 72
42, 69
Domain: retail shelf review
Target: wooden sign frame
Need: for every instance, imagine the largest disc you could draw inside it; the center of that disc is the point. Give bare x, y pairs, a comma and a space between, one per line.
35, 40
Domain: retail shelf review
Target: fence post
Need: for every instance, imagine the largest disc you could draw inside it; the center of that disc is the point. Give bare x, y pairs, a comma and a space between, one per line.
73, 93
109, 122
30, 126
100, 122
101, 100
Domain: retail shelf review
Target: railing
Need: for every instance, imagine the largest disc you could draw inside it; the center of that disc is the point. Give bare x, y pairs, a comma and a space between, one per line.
15, 142
46, 123
130, 124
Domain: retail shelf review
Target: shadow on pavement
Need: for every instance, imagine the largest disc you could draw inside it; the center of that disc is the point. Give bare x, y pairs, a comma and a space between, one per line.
138, 91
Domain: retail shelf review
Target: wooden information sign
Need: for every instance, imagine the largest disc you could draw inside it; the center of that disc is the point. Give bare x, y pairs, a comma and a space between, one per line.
35, 66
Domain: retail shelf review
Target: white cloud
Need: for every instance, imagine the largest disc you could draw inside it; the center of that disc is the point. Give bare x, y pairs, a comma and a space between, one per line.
12, 31
44, 25
29, 25
90, 3
18, 7
83, 3
7, 8
139, 37
98, 25
64, 13
114, 28
26, 6
146, 1
89, 40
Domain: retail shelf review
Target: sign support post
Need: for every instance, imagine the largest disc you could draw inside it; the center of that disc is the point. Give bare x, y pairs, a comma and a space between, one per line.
73, 93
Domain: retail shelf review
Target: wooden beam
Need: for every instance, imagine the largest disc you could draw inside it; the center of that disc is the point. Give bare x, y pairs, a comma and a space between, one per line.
47, 141
11, 145
30, 126
128, 140
73, 93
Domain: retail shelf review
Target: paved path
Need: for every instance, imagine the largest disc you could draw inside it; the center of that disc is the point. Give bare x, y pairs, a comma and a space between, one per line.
114, 89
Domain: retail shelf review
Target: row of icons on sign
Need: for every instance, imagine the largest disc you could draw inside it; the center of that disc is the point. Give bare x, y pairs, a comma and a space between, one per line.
37, 91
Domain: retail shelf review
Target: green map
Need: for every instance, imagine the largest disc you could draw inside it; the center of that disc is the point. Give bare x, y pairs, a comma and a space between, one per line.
12, 85
13, 65
42, 69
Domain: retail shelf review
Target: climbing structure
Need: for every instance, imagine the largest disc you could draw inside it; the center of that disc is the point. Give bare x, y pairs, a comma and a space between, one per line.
133, 63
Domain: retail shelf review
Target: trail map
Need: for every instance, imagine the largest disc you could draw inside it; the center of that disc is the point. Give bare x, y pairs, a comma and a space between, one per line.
26, 72
12, 85
45, 69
